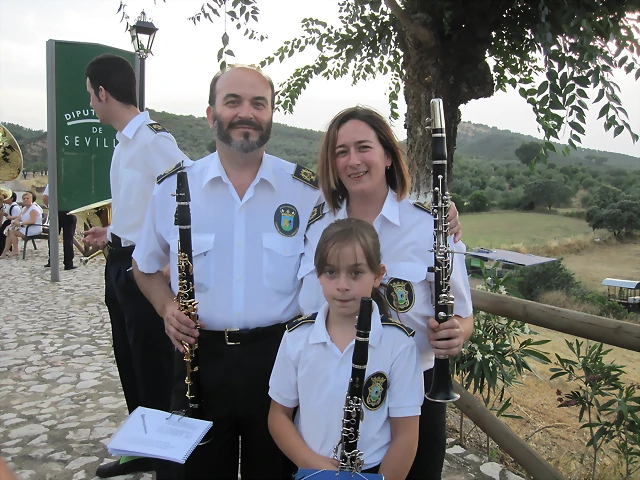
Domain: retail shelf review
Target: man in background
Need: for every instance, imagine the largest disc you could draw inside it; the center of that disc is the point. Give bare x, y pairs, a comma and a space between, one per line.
66, 223
144, 354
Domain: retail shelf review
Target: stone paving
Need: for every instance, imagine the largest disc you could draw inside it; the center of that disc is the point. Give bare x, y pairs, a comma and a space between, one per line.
60, 395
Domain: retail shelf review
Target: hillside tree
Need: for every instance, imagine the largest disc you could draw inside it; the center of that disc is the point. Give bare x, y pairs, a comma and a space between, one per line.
550, 51
528, 152
548, 193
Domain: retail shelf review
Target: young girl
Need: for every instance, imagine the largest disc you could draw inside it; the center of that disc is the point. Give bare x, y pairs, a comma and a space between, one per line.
313, 365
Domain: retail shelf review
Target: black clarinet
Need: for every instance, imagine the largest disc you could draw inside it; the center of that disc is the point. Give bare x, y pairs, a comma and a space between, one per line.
186, 297
441, 386
346, 451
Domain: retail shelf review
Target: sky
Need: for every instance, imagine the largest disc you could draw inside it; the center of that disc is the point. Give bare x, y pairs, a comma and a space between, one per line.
184, 61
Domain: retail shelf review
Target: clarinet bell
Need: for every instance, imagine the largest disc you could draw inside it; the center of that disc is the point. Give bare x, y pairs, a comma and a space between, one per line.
441, 385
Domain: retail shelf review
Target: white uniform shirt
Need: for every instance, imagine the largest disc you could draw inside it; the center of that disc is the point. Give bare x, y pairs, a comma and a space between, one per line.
246, 253
140, 156
312, 373
406, 236
46, 190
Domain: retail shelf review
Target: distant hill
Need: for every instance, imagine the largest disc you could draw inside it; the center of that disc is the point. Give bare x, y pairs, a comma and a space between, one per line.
491, 143
195, 138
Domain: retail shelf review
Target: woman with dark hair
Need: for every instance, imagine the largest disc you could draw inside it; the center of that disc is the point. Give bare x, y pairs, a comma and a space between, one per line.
363, 175
31, 214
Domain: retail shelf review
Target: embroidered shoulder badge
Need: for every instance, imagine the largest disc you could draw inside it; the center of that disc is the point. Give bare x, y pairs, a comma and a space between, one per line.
175, 169
157, 128
400, 295
316, 214
296, 322
375, 390
394, 323
306, 176
423, 206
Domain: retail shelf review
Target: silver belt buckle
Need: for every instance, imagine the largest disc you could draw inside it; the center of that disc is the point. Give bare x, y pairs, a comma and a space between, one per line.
226, 336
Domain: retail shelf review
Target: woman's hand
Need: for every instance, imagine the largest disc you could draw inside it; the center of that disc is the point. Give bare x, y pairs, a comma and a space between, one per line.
455, 228
447, 338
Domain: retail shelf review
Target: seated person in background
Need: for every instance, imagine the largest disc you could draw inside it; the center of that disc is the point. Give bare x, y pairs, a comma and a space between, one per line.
31, 214
313, 365
10, 211
66, 223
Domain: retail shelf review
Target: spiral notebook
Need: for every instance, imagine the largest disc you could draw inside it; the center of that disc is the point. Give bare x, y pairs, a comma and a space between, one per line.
157, 434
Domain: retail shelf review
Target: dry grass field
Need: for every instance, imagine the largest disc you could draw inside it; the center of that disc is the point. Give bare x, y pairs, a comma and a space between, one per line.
502, 228
615, 261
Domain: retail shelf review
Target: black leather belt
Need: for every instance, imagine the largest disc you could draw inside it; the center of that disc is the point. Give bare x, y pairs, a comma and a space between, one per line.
115, 244
232, 336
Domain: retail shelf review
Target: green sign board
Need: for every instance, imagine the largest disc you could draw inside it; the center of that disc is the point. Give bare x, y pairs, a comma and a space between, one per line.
83, 147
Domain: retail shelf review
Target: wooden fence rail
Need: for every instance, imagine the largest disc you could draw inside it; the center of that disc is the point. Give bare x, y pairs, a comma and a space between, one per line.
612, 332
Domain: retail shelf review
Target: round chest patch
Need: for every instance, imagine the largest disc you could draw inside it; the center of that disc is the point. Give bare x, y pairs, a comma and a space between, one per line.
400, 295
375, 390
286, 220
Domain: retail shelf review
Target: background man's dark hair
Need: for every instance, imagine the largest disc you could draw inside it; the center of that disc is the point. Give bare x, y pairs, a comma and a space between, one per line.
115, 75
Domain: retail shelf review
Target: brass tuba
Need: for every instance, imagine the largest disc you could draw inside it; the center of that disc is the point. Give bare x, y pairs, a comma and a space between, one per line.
95, 215
10, 156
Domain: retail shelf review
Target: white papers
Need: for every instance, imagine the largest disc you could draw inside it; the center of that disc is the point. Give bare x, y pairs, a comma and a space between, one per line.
157, 434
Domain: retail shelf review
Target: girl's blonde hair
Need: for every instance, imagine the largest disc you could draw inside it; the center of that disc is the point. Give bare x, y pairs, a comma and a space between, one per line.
352, 231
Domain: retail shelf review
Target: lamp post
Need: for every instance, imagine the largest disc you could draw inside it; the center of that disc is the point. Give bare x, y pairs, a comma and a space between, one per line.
142, 30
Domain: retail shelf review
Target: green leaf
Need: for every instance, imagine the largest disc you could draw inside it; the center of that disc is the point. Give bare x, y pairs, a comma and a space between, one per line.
618, 130
543, 87
577, 127
603, 111
225, 39
599, 96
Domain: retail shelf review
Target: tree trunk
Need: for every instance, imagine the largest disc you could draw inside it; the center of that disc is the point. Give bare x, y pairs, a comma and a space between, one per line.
454, 70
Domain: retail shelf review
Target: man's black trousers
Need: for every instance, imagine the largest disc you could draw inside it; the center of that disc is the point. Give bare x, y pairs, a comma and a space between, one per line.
143, 352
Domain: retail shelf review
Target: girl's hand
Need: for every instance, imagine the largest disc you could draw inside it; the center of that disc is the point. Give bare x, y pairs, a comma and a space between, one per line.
446, 338
324, 463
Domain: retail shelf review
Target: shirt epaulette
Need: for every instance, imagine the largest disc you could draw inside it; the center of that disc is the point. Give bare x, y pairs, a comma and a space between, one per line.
394, 323
157, 128
423, 206
316, 214
175, 169
296, 322
306, 176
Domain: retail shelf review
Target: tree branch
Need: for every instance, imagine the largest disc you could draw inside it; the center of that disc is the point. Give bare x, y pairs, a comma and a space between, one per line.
417, 30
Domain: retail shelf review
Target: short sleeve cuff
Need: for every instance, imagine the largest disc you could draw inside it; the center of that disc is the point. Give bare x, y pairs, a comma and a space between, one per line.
145, 263
463, 310
404, 411
281, 400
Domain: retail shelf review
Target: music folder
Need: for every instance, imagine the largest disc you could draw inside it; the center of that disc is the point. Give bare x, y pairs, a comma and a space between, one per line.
157, 434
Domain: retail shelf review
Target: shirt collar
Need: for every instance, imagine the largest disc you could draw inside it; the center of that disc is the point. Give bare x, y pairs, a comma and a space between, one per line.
217, 170
320, 334
390, 209
132, 127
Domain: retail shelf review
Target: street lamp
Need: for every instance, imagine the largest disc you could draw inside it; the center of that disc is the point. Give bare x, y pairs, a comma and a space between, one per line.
140, 31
